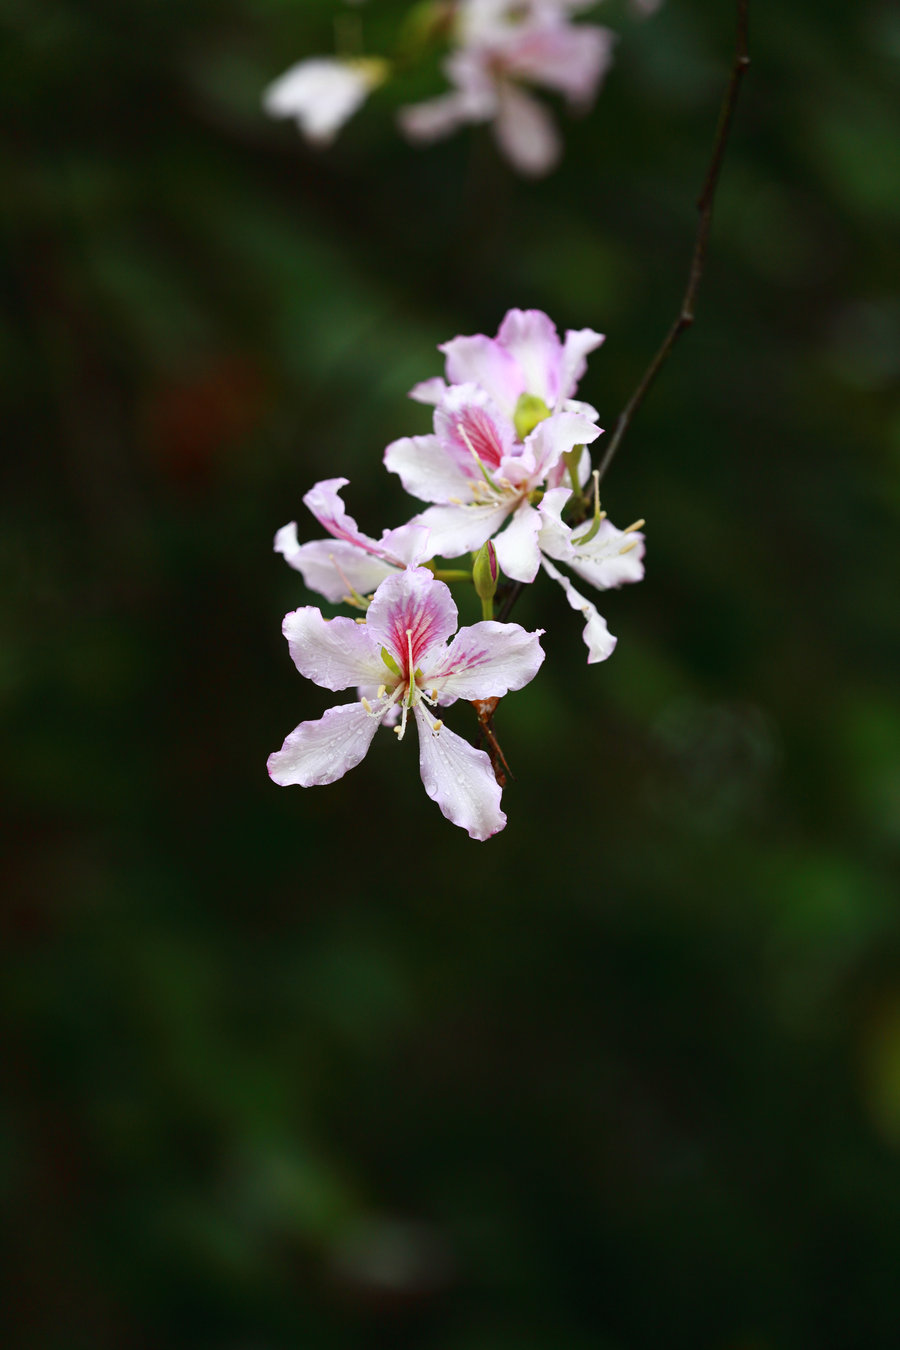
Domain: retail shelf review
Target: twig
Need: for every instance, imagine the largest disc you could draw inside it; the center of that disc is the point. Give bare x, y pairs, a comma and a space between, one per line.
705, 206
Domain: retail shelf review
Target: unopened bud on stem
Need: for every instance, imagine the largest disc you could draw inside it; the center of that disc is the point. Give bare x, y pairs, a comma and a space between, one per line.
486, 575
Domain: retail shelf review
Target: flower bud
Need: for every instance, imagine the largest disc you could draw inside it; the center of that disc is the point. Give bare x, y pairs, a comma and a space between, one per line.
486, 575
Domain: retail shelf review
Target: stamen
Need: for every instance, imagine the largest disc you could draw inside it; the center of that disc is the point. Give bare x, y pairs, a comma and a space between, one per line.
628, 547
381, 690
434, 694
436, 726
359, 620
354, 597
638, 525
366, 704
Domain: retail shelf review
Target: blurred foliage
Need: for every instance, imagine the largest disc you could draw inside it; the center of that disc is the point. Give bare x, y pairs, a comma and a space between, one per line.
311, 1069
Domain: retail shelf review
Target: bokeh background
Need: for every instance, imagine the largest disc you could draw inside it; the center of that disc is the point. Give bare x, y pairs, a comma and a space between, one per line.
313, 1069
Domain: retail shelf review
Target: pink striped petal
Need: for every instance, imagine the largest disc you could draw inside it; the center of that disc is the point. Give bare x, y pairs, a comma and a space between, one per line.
411, 603
487, 660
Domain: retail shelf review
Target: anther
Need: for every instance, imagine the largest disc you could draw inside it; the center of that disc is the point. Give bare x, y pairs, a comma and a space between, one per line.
381, 690
436, 726
638, 525
628, 547
366, 704
359, 620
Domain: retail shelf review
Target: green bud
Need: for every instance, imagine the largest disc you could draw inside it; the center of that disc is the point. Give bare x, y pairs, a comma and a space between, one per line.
486, 575
530, 410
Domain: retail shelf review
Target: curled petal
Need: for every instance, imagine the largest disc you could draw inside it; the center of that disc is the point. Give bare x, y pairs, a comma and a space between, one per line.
413, 603
459, 778
578, 345
598, 639
487, 660
321, 752
335, 653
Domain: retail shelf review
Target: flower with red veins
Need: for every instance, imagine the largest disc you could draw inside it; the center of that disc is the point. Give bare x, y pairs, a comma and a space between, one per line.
350, 564
503, 47
321, 94
402, 650
479, 477
599, 553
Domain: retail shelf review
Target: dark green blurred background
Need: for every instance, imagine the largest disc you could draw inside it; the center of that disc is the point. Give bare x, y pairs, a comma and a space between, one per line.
312, 1069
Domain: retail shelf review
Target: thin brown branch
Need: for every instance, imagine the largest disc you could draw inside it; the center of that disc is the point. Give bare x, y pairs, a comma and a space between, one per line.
705, 203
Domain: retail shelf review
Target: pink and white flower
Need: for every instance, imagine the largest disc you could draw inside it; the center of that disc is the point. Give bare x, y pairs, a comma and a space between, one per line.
479, 477
402, 650
526, 360
349, 561
323, 92
504, 46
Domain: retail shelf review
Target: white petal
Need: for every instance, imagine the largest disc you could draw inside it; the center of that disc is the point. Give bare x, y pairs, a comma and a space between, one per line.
598, 639
462, 529
320, 94
429, 391
411, 602
335, 653
602, 561
321, 752
427, 469
487, 660
526, 133
577, 347
517, 547
459, 778
531, 337
331, 566
483, 361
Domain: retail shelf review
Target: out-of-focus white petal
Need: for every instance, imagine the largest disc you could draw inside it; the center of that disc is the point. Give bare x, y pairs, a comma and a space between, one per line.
331, 567
459, 778
428, 470
335, 653
411, 602
321, 752
598, 639
517, 547
487, 660
320, 94
569, 58
525, 132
